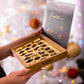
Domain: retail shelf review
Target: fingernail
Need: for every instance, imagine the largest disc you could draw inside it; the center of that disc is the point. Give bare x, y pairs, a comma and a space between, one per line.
27, 70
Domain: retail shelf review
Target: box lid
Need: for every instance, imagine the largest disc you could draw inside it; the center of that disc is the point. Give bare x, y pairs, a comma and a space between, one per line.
57, 21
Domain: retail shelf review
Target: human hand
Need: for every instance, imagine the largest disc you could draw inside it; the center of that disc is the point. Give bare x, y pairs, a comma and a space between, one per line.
18, 77
39, 31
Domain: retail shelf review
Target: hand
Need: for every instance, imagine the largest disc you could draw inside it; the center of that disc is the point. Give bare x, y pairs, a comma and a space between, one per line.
18, 77
39, 31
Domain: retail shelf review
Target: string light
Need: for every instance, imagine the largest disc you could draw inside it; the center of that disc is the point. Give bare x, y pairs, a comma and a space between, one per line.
44, 76
63, 70
59, 69
56, 74
66, 78
36, 12
72, 81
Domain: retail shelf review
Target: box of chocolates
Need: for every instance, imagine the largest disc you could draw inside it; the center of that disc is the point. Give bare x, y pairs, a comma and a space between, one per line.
51, 45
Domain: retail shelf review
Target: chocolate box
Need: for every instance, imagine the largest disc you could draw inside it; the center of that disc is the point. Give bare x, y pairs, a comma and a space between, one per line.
51, 45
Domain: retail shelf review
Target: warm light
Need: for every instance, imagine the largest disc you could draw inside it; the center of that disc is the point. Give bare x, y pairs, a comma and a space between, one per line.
36, 12
72, 81
63, 70
58, 69
56, 74
7, 28
44, 76
66, 77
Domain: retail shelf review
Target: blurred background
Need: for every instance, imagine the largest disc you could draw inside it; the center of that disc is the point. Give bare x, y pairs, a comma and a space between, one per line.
18, 18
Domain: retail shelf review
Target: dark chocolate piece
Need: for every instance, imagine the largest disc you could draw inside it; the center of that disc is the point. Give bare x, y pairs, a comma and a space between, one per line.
21, 51
23, 54
36, 58
41, 52
36, 48
40, 43
51, 51
53, 54
34, 55
28, 45
41, 48
37, 40
44, 45
27, 48
44, 55
33, 45
29, 60
29, 54
30, 51
47, 48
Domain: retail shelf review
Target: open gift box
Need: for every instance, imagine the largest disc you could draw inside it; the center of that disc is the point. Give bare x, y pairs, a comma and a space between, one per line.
51, 45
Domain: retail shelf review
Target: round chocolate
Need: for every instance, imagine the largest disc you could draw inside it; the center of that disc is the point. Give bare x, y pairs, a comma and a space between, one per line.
37, 40
33, 45
28, 45
41, 52
36, 48
29, 60
27, 48
44, 45
23, 54
51, 51
30, 51
44, 55
40, 49
47, 48
34, 55
36, 58
29, 54
21, 51
40, 43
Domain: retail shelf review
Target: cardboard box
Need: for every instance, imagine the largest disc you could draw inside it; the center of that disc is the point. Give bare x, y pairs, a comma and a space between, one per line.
56, 29
60, 54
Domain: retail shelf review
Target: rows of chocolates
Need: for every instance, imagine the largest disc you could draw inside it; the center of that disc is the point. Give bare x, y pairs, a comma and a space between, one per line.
36, 51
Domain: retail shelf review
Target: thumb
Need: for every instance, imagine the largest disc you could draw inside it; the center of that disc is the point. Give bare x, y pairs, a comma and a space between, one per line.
23, 72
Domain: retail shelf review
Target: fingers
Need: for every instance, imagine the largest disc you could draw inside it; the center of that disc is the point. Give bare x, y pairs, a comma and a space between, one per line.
37, 32
23, 72
29, 75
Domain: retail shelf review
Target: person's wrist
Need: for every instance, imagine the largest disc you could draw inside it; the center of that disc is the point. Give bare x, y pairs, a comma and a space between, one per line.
4, 80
